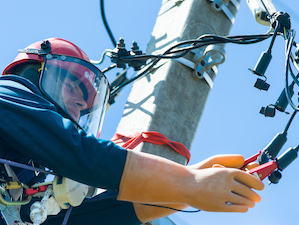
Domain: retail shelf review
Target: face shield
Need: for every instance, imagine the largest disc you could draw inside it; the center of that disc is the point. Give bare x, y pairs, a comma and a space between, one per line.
77, 88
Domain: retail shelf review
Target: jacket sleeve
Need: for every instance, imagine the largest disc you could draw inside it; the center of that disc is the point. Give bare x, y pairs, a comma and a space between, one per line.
31, 126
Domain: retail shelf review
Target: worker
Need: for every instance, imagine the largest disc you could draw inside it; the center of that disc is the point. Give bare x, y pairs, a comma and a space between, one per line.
52, 104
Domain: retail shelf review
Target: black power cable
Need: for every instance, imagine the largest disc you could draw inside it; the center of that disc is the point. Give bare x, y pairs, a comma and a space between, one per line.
289, 44
106, 23
169, 54
203, 40
200, 42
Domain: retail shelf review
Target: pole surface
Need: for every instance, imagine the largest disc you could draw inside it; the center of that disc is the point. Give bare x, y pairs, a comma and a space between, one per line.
172, 98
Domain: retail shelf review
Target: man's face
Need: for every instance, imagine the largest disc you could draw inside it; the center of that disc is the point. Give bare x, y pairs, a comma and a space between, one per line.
72, 97
77, 88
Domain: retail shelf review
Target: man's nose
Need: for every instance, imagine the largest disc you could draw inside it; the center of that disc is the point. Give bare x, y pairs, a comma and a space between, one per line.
80, 103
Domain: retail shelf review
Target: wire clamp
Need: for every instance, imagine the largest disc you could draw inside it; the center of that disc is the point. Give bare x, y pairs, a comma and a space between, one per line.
205, 62
219, 5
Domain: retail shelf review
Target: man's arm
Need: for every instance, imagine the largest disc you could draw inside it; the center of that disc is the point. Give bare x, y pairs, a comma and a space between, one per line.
31, 127
152, 179
148, 213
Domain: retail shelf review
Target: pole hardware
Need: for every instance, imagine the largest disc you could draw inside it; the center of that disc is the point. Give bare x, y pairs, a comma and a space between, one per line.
261, 10
121, 56
168, 5
205, 62
280, 23
280, 104
222, 5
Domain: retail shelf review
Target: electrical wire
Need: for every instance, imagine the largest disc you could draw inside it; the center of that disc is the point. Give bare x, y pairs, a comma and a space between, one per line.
174, 52
26, 167
294, 44
200, 42
265, 7
106, 23
159, 206
203, 40
117, 88
109, 68
178, 210
289, 44
289, 122
102, 58
67, 215
277, 27
295, 78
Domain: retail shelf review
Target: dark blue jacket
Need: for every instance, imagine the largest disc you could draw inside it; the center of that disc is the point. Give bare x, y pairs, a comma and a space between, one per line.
31, 129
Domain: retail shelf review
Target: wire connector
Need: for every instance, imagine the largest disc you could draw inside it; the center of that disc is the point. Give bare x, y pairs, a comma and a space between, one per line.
118, 52
282, 19
120, 56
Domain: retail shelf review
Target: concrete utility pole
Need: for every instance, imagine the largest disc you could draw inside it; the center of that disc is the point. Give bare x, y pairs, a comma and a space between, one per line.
172, 98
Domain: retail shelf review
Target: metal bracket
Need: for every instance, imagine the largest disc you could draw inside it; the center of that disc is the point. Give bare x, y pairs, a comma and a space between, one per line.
219, 5
168, 4
29, 51
205, 62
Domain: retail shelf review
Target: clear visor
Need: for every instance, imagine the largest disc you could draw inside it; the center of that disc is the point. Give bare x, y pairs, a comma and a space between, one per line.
78, 88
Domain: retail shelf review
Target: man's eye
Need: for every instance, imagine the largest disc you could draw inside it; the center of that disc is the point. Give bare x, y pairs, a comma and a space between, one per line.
70, 87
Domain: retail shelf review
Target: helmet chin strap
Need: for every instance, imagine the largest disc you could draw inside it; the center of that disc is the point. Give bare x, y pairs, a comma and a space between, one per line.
41, 67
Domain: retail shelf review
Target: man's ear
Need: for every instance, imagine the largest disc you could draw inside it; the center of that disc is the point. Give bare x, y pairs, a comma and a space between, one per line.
29, 71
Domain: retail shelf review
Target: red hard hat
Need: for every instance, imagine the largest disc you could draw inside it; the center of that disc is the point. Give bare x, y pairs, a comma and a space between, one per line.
58, 46
65, 59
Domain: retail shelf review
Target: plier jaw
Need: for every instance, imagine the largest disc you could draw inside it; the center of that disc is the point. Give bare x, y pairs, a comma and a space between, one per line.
261, 171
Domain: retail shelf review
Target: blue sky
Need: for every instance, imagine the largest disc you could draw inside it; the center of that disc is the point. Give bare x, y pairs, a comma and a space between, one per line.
231, 122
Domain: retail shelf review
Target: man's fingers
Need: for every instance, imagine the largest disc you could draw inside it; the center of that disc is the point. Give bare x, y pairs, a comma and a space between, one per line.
232, 161
245, 192
230, 207
251, 166
229, 160
237, 199
248, 180
218, 166
237, 203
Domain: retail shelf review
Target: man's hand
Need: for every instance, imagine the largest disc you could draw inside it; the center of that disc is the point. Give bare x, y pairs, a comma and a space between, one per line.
223, 190
152, 179
231, 188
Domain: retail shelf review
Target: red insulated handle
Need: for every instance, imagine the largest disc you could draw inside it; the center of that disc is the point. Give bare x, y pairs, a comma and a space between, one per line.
252, 159
263, 170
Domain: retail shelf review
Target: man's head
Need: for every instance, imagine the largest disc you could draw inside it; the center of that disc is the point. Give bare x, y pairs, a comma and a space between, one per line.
65, 76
